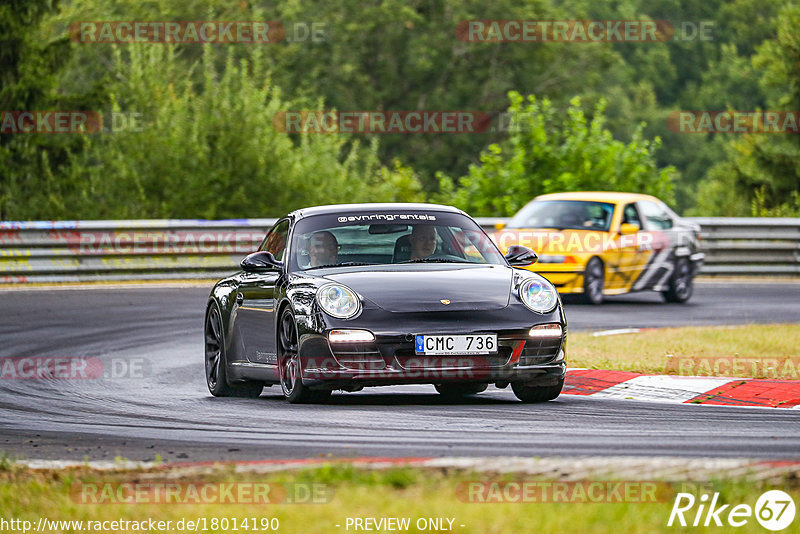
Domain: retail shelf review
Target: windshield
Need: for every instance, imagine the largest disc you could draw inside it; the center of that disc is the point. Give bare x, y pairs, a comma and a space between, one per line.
325, 241
562, 214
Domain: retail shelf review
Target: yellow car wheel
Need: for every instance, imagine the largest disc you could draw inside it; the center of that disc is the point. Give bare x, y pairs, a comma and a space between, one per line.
593, 281
680, 283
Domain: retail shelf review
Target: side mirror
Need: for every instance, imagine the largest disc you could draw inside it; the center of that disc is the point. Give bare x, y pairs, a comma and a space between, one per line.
628, 228
499, 225
519, 256
260, 261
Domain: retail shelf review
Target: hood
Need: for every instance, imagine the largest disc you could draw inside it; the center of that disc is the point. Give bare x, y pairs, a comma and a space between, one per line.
422, 287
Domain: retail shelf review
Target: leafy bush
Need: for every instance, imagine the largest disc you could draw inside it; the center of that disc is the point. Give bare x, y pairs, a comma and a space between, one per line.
548, 151
762, 170
210, 150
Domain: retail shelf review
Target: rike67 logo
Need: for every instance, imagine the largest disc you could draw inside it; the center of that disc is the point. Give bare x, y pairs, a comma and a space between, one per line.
774, 510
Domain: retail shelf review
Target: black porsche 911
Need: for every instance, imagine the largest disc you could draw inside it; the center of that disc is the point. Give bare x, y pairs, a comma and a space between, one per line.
347, 296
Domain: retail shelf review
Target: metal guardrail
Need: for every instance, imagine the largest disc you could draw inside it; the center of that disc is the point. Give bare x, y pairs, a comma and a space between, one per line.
75, 251
741, 246
751, 246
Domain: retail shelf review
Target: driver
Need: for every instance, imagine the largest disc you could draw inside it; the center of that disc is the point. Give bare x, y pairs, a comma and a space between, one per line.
423, 241
323, 249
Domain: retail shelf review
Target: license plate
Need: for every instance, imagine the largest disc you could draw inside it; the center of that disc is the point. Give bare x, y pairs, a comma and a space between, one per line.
450, 345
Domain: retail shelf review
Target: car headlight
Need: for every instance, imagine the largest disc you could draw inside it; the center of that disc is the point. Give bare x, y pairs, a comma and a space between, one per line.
538, 294
338, 301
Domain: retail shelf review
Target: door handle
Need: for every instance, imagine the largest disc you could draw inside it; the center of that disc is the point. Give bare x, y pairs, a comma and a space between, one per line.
239, 298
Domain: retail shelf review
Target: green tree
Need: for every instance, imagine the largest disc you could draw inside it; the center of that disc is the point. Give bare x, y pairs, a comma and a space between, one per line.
761, 174
380, 55
213, 151
388, 55
548, 151
687, 72
406, 55
28, 60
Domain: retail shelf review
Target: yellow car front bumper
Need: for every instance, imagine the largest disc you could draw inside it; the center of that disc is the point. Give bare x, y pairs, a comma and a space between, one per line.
568, 278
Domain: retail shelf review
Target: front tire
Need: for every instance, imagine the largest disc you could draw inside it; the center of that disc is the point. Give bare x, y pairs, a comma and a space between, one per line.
594, 277
529, 394
681, 285
290, 365
459, 390
216, 361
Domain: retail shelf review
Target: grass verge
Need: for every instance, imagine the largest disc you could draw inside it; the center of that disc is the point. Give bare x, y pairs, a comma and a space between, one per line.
414, 493
749, 351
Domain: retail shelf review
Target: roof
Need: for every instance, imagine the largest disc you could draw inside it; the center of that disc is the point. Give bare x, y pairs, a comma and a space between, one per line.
600, 196
385, 206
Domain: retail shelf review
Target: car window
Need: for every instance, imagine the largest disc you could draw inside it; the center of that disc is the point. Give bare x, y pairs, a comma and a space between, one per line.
630, 215
324, 241
276, 240
562, 214
656, 216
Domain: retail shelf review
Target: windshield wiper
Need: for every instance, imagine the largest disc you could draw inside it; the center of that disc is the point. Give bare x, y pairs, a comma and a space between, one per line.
436, 260
343, 264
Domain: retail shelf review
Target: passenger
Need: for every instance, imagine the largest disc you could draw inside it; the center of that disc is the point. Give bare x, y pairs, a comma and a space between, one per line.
423, 241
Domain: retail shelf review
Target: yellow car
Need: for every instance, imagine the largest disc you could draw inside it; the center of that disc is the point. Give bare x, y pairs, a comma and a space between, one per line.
605, 243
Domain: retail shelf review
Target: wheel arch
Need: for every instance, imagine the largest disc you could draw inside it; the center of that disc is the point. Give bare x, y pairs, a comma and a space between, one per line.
282, 306
221, 295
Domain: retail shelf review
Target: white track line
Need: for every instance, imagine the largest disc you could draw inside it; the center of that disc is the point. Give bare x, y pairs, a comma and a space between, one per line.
662, 388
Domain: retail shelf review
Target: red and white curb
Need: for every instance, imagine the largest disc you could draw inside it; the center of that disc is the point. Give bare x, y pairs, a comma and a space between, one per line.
748, 392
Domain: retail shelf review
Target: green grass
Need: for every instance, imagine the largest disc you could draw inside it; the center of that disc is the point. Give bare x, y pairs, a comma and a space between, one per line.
751, 351
6, 462
354, 492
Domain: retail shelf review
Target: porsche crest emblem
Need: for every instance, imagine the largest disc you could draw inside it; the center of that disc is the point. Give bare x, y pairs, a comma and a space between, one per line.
445, 301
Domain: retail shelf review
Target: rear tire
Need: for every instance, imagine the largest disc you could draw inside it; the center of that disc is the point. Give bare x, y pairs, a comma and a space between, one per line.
458, 390
291, 367
216, 361
529, 394
681, 285
594, 278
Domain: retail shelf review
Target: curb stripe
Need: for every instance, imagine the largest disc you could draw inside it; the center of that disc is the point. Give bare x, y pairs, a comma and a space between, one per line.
709, 390
663, 388
590, 381
768, 393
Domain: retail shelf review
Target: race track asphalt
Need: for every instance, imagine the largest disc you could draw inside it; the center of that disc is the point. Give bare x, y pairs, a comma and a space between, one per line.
163, 408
